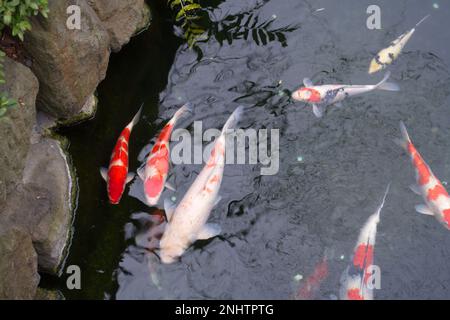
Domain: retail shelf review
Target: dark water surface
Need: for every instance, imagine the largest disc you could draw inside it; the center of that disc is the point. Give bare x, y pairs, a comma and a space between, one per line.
333, 171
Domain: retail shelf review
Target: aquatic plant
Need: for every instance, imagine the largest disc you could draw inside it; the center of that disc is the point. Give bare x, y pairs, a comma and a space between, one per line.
198, 26
188, 16
5, 102
15, 14
246, 24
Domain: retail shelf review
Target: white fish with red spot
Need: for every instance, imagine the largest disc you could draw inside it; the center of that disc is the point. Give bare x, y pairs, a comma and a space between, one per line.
322, 96
354, 285
154, 174
187, 222
435, 196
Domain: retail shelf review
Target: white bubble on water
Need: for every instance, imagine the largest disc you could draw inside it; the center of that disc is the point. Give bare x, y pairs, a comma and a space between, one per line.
298, 277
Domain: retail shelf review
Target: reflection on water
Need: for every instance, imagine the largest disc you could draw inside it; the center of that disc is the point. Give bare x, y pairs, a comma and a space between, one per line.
332, 170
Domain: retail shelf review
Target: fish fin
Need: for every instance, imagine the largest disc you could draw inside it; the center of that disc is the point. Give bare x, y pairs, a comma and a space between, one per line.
169, 208
317, 110
104, 173
208, 231
307, 82
415, 188
170, 186
141, 173
423, 209
130, 177
233, 119
388, 86
405, 139
328, 254
217, 201
137, 116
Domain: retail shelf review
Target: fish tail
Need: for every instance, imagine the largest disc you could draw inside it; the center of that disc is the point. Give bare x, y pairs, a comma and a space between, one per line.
136, 117
187, 107
405, 139
423, 19
388, 86
328, 254
386, 192
233, 119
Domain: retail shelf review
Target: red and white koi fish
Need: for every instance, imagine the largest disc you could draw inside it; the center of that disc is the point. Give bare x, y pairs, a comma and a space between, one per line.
187, 222
386, 56
312, 284
154, 174
354, 281
117, 176
436, 198
322, 96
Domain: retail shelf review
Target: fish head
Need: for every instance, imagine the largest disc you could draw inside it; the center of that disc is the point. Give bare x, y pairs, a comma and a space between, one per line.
170, 254
307, 95
302, 94
115, 194
375, 66
445, 213
171, 247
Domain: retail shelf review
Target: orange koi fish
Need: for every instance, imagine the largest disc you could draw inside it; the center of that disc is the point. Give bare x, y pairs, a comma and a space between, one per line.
117, 176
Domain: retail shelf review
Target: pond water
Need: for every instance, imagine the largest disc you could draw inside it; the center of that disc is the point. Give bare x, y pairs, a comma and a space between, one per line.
332, 172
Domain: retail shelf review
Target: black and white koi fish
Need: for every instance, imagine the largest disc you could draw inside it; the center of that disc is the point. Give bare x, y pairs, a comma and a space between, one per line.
386, 56
324, 95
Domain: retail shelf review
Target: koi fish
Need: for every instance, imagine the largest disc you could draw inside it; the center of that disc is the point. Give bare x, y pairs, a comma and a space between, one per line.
354, 281
154, 174
436, 198
117, 176
386, 56
324, 95
312, 284
187, 222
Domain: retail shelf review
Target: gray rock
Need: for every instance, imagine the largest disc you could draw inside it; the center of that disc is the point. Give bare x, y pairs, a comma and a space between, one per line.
47, 166
16, 125
121, 18
68, 63
18, 265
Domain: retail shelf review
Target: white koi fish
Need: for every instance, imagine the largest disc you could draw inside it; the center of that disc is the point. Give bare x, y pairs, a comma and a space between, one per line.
187, 222
154, 174
436, 198
386, 56
354, 281
324, 95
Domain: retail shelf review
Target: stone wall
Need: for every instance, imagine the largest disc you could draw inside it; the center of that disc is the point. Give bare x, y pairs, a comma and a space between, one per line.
36, 181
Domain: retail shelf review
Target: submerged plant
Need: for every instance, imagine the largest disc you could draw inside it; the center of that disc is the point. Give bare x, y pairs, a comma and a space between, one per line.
5, 102
189, 16
15, 14
197, 25
244, 25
